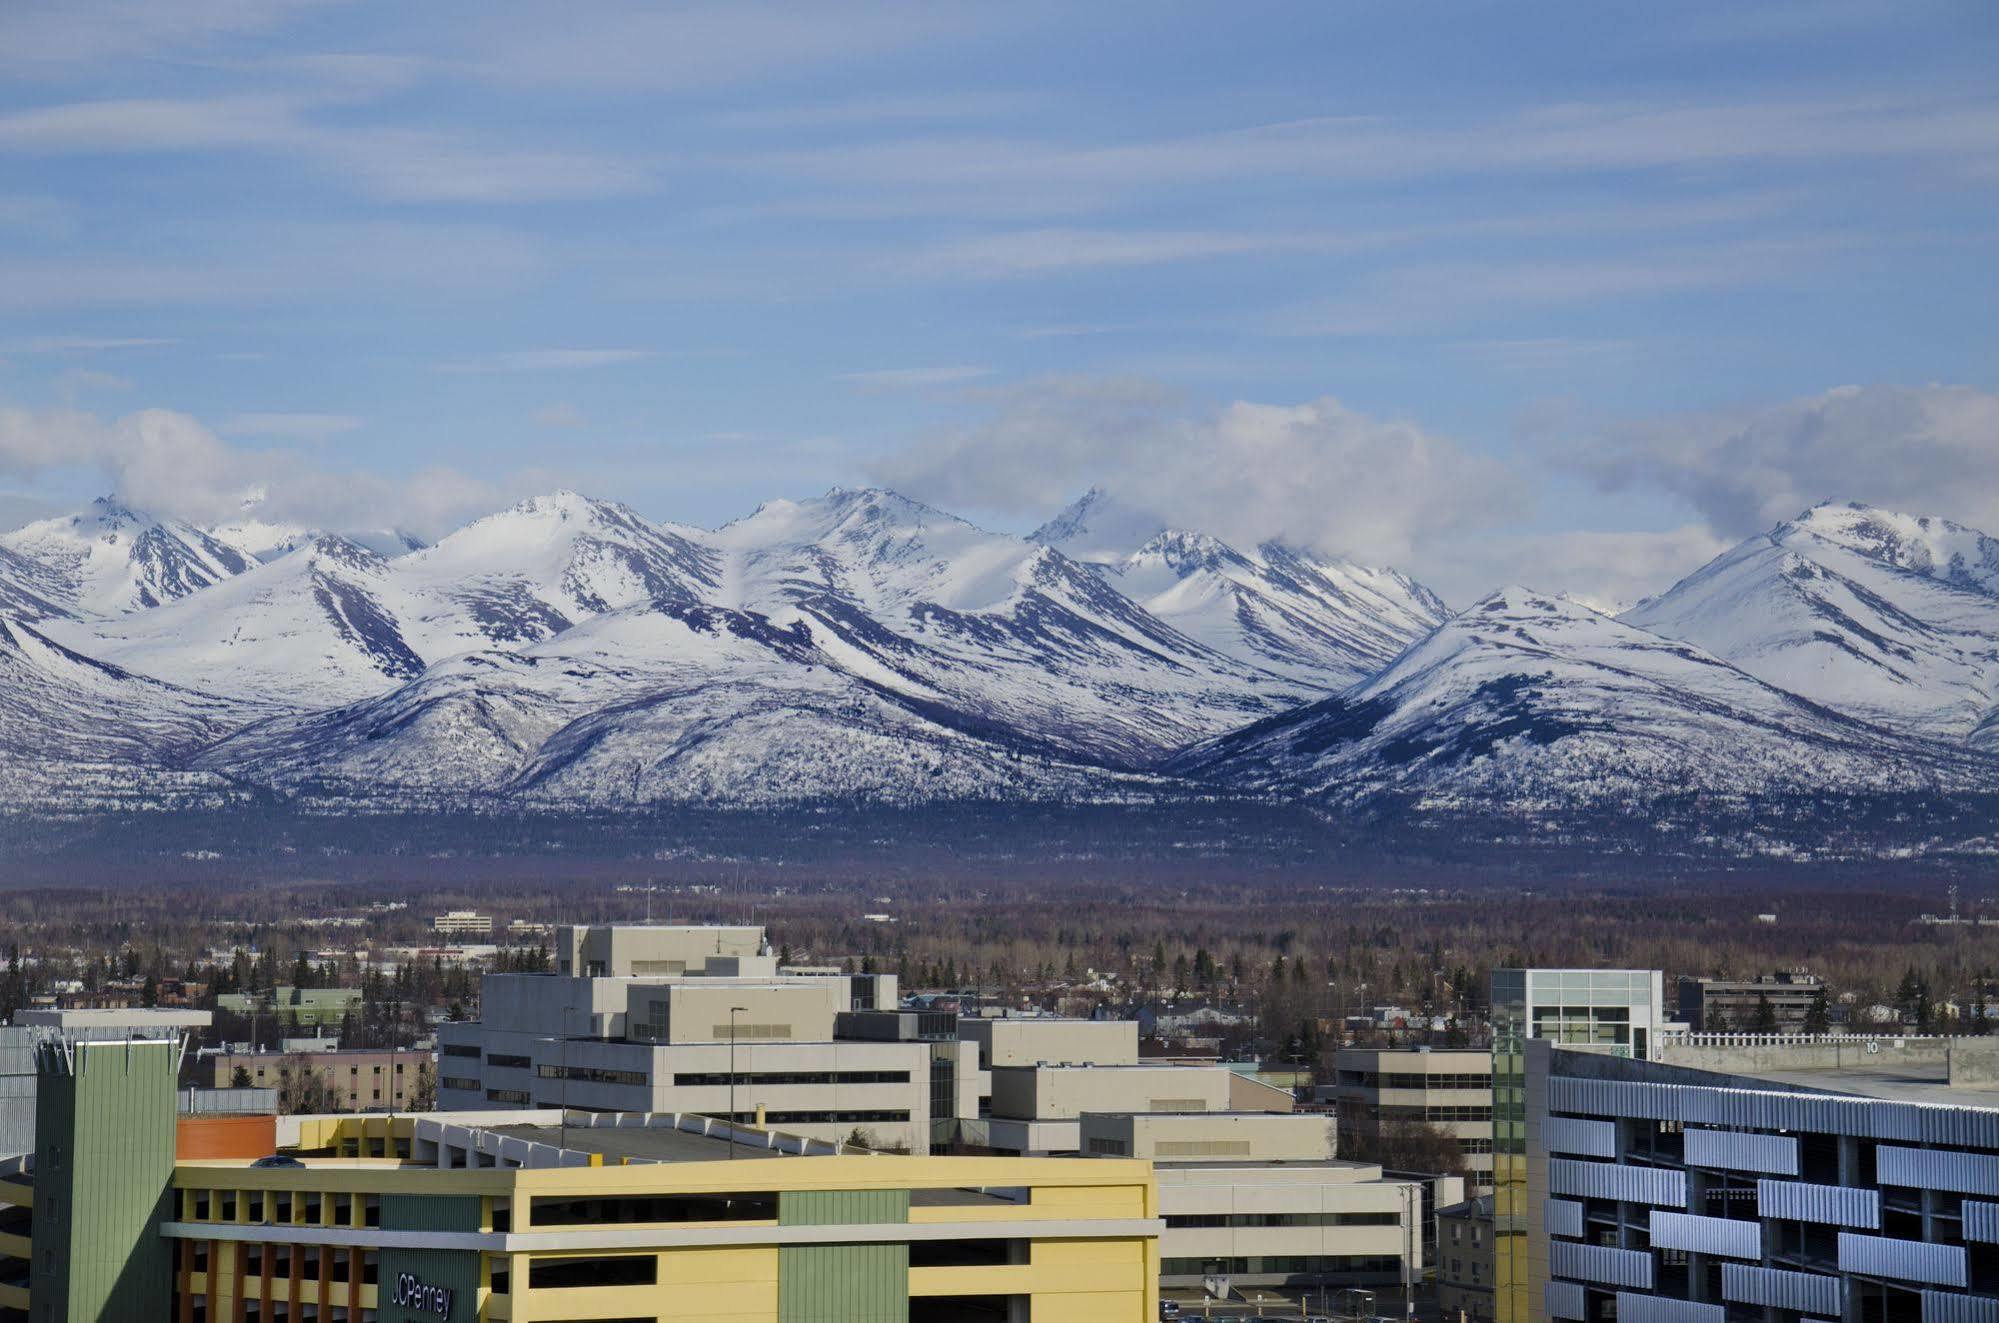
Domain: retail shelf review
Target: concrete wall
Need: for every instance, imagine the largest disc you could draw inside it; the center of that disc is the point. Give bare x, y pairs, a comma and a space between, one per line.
1167, 1137
801, 1011
1065, 1092
1753, 1054
627, 949
1027, 1042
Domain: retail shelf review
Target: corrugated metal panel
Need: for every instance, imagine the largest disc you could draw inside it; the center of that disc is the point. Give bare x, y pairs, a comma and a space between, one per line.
1932, 1169
1733, 1151
1657, 1309
1591, 1139
843, 1283
1562, 1217
1605, 1180
1981, 1221
1944, 1307
1904, 1260
1760, 1109
1836, 1205
1786, 1290
825, 1208
1562, 1300
1707, 1235
1599, 1263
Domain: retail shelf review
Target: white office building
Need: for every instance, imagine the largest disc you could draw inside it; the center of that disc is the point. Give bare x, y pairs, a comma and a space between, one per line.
691, 1020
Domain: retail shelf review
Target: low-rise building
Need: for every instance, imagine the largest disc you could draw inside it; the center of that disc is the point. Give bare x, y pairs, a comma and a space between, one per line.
1464, 1261
462, 923
364, 1080
1039, 1109
1260, 1199
1781, 1003
1446, 1088
309, 1008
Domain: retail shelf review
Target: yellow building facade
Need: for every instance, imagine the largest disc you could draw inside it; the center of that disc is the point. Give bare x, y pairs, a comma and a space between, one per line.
786, 1239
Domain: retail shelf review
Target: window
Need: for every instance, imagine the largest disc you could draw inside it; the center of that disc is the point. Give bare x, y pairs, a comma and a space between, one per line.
507, 1096
745, 1079
966, 1253
760, 1206
593, 1074
1108, 1148
600, 1270
723, 1033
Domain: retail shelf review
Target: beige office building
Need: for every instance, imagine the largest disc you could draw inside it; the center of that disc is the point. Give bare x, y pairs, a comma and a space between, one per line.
688, 1020
1260, 1199
1445, 1088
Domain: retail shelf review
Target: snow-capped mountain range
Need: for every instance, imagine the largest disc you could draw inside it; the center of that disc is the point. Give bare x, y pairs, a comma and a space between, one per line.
861, 647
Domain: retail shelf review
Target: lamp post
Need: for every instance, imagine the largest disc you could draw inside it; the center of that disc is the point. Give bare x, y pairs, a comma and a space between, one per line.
734, 1011
562, 1094
1411, 1207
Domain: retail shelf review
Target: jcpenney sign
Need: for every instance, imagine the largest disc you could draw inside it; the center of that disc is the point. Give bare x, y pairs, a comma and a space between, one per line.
412, 1292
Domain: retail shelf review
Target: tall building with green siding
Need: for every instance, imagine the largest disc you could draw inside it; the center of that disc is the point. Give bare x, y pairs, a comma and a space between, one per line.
1614, 1011
104, 1165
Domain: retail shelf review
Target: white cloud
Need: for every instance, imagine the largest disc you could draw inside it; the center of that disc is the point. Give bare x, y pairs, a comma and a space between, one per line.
894, 379
549, 360
1316, 473
1610, 570
290, 426
1921, 449
78, 344
82, 381
395, 163
559, 416
170, 463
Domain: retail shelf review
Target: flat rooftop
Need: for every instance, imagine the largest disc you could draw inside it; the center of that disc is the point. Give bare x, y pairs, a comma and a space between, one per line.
650, 1144
1890, 1082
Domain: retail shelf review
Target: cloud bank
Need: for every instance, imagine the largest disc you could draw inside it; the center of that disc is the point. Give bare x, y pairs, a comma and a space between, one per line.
171, 464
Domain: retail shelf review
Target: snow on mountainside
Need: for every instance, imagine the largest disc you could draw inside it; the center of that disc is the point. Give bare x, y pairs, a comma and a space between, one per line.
662, 703
28, 588
1887, 617
76, 733
1314, 621
109, 560
260, 537
550, 561
333, 622
1001, 630
1526, 701
326, 624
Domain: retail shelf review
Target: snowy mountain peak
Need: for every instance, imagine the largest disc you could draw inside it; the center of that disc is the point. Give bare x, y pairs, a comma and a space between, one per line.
1920, 544
109, 559
1890, 618
1098, 529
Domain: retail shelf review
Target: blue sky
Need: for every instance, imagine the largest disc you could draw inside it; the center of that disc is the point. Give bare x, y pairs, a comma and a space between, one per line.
1567, 293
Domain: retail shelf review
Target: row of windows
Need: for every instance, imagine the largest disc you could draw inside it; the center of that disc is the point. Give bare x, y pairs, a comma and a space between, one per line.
593, 1074
1437, 1113
282, 1207
1397, 1080
692, 1079
459, 1050
458, 1082
1236, 1220
518, 1097
759, 1206
510, 1060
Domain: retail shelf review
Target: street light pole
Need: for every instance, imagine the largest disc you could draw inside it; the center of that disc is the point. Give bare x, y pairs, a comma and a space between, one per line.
1409, 1210
562, 1094
734, 1011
